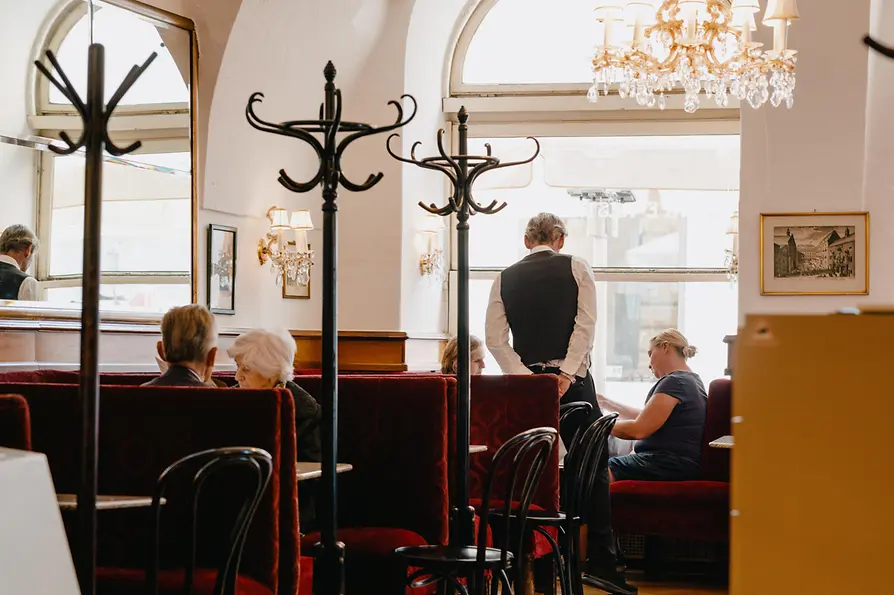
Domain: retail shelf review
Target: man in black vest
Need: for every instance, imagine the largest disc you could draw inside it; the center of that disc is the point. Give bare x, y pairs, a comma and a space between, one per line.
547, 301
18, 245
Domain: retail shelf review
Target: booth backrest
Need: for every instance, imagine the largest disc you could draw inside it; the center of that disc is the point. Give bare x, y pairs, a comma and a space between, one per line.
393, 430
716, 461
142, 431
503, 406
15, 422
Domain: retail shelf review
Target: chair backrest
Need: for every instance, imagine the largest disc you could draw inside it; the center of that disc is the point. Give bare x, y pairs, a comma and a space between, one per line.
526, 456
203, 466
584, 462
569, 413
715, 462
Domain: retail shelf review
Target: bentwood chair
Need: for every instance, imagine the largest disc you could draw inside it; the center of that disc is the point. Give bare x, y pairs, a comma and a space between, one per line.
522, 459
584, 460
252, 468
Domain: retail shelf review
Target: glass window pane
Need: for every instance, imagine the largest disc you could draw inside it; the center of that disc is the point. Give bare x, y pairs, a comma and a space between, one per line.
532, 41
128, 40
628, 315
126, 297
645, 202
146, 217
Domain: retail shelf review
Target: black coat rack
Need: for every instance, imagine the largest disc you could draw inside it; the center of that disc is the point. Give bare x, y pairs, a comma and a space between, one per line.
329, 569
94, 139
462, 170
880, 48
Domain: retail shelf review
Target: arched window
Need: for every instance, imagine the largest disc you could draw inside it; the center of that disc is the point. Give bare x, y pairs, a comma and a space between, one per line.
648, 196
147, 216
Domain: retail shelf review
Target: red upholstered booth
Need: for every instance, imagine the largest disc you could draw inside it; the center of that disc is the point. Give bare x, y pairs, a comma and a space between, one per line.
142, 431
393, 430
15, 422
697, 510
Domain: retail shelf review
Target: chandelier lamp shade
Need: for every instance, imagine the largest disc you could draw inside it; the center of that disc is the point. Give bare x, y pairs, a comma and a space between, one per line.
290, 260
649, 48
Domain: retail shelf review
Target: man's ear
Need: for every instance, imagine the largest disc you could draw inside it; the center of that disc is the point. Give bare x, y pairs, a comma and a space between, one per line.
528, 243
560, 243
212, 356
160, 347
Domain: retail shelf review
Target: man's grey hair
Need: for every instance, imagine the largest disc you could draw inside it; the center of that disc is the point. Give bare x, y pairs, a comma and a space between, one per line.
270, 354
17, 238
188, 334
545, 228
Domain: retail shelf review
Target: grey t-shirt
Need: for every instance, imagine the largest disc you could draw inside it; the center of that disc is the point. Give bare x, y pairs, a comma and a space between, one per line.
682, 433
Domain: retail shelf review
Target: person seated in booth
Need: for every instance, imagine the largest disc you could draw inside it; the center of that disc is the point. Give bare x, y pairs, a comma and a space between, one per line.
18, 245
451, 354
266, 359
187, 348
668, 430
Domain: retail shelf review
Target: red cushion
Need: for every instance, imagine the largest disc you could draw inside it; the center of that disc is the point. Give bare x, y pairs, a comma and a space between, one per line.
715, 462
696, 510
541, 546
127, 581
306, 582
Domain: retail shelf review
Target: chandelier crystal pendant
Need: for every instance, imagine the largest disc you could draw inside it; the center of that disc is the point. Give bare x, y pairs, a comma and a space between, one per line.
651, 47
289, 260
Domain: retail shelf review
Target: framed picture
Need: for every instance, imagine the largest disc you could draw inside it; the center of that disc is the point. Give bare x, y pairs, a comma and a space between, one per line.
221, 269
815, 253
292, 290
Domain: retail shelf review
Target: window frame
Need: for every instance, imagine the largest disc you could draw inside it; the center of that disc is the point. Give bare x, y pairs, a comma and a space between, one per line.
161, 128
561, 96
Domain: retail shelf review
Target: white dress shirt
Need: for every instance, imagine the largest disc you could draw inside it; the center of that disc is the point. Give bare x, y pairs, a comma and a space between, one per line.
29, 289
577, 358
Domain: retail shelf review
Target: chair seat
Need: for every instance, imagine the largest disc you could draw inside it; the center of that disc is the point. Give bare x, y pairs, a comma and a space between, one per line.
132, 581
557, 520
541, 546
697, 510
433, 555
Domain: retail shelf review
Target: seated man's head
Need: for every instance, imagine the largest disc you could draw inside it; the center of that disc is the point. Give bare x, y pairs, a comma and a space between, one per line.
451, 354
668, 351
264, 359
189, 338
19, 243
545, 229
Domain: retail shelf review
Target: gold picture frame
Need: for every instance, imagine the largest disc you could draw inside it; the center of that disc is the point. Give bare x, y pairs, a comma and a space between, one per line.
292, 290
814, 253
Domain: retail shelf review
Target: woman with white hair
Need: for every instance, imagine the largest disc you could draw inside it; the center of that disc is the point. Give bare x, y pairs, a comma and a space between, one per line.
265, 359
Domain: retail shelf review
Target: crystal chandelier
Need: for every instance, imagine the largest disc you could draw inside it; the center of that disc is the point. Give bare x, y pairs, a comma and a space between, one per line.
291, 261
650, 47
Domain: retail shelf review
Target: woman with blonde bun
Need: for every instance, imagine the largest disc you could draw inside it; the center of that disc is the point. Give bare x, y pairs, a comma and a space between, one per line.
668, 430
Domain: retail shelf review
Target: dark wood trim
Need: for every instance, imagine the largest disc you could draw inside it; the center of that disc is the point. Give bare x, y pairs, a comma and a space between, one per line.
157, 14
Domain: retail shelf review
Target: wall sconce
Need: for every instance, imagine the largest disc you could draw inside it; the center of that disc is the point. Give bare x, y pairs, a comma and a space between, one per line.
431, 262
732, 256
292, 259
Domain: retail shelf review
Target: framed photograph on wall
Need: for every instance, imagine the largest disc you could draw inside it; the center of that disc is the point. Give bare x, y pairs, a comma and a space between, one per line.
292, 290
221, 288
814, 253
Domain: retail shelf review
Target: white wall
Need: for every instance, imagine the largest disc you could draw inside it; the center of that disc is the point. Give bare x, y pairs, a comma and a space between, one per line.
19, 28
811, 158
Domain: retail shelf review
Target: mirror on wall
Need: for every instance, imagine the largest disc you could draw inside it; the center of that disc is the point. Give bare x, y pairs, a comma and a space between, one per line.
149, 203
